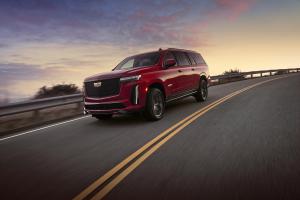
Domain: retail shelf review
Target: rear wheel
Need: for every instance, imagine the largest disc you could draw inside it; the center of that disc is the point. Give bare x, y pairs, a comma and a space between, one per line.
103, 116
155, 105
202, 92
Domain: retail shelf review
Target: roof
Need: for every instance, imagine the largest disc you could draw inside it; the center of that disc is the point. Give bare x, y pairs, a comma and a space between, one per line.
176, 49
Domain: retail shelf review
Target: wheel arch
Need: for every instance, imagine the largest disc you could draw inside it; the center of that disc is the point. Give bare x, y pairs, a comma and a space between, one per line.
203, 76
158, 86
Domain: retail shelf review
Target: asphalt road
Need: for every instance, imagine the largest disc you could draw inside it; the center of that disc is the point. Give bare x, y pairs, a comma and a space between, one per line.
247, 147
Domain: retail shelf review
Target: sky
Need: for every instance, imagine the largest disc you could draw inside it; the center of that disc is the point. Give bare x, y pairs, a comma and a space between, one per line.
46, 42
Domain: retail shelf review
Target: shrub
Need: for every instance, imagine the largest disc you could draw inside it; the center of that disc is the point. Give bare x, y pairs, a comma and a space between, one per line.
232, 72
56, 90
234, 75
280, 72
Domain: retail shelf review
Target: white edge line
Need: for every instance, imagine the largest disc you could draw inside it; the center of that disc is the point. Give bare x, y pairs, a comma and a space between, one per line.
45, 127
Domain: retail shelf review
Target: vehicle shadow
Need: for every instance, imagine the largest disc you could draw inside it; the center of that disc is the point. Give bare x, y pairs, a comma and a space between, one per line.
137, 118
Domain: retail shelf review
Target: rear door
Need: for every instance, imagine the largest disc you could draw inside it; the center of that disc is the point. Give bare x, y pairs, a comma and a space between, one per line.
185, 68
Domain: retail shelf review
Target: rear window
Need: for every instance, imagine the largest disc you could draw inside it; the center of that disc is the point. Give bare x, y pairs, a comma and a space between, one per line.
191, 59
198, 58
142, 60
181, 58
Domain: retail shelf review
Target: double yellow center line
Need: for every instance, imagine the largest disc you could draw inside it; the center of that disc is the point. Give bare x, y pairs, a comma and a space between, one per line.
107, 182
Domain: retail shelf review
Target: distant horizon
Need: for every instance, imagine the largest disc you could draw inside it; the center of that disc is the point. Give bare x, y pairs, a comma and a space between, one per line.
21, 98
51, 42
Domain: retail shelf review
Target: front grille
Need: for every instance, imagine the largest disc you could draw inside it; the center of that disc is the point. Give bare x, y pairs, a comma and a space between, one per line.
108, 87
104, 106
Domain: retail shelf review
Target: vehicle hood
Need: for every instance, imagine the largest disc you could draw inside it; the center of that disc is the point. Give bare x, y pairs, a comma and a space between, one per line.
117, 74
105, 75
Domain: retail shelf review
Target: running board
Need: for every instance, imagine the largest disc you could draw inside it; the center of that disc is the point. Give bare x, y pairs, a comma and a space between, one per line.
181, 96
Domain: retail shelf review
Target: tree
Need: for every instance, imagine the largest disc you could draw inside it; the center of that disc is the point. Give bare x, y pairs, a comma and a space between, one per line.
56, 90
233, 75
232, 72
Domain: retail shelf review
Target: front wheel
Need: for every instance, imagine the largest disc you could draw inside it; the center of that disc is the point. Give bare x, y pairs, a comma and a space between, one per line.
202, 92
155, 105
103, 116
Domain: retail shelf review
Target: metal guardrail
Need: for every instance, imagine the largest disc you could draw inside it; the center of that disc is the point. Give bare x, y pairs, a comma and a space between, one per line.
253, 74
36, 105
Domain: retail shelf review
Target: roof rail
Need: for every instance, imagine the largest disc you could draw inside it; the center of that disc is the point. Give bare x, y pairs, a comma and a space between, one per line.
181, 49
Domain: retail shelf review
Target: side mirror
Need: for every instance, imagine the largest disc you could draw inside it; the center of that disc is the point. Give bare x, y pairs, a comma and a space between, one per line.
170, 63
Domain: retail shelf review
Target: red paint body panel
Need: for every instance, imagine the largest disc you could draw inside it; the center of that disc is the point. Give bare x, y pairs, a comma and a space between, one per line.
174, 80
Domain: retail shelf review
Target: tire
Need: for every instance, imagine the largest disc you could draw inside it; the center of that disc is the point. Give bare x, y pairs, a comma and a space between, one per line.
202, 92
103, 116
155, 105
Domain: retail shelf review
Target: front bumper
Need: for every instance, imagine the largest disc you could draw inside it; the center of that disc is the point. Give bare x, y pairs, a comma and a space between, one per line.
131, 98
122, 110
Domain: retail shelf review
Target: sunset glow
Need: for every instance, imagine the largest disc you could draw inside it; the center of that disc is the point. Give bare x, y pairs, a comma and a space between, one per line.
49, 42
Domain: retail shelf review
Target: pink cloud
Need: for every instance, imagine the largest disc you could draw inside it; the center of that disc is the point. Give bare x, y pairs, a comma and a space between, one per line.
234, 8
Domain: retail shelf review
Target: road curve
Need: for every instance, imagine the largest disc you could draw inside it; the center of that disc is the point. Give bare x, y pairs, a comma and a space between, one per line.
247, 147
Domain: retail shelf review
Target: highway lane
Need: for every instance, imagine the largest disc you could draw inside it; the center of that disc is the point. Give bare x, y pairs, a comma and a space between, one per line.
59, 162
246, 148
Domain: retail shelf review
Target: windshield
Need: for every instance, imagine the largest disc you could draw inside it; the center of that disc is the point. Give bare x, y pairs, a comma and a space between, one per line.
143, 60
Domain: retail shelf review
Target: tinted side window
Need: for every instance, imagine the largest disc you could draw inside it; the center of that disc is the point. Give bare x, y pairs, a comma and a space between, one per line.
198, 58
202, 60
181, 58
167, 56
191, 59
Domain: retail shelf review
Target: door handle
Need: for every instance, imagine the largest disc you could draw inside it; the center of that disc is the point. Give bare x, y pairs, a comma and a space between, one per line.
193, 69
179, 70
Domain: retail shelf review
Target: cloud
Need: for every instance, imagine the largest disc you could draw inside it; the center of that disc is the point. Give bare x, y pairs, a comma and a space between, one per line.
20, 71
118, 23
71, 63
18, 74
20, 79
10, 73
3, 45
234, 8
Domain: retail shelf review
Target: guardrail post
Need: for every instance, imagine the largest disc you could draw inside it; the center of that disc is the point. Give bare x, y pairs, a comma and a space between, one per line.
270, 73
251, 75
261, 75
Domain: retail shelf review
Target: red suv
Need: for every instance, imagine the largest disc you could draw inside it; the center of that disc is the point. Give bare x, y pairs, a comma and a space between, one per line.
146, 82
